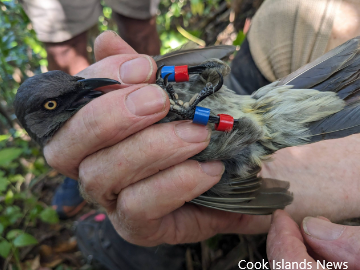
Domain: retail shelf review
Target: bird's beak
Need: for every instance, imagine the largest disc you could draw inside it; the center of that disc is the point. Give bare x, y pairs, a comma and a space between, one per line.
94, 83
87, 91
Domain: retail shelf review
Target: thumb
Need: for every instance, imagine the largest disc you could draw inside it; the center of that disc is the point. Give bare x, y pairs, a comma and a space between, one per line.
285, 242
333, 242
110, 43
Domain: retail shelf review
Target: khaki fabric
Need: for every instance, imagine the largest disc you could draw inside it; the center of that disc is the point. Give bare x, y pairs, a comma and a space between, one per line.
287, 34
61, 20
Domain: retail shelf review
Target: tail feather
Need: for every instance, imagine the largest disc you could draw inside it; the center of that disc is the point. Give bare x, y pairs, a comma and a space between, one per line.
273, 194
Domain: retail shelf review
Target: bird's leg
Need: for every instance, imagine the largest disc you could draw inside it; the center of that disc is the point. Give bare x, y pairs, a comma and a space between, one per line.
186, 110
164, 84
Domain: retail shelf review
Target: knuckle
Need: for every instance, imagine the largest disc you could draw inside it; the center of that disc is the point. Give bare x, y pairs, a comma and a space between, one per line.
52, 160
124, 207
100, 121
185, 176
91, 183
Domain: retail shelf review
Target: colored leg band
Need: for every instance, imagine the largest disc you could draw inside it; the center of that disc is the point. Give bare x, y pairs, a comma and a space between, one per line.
201, 116
226, 123
166, 70
181, 74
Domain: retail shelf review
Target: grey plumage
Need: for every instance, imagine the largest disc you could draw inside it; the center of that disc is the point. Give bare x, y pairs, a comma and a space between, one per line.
70, 93
194, 56
283, 114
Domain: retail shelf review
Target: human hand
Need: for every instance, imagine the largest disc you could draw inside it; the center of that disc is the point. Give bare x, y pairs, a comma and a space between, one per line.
323, 177
317, 240
138, 171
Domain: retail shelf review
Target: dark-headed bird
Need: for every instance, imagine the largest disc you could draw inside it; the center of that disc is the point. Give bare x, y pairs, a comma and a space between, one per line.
319, 101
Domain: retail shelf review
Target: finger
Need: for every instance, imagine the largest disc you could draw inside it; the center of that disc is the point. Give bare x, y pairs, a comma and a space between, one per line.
110, 43
104, 122
168, 190
139, 156
335, 243
285, 242
127, 68
144, 207
174, 227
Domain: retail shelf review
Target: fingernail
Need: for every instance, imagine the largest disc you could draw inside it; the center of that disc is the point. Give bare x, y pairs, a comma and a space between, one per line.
111, 31
322, 229
212, 168
137, 70
192, 133
146, 100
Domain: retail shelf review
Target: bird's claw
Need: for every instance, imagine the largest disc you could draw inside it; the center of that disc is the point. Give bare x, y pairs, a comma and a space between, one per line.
186, 110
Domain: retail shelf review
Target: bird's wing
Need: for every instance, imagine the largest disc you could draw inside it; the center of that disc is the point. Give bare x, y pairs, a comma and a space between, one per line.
194, 57
250, 195
336, 71
337, 63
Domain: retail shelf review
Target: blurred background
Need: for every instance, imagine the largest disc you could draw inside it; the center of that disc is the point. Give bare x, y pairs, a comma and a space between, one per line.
31, 234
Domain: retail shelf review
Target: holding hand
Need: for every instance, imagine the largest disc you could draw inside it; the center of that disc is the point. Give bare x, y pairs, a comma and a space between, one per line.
141, 174
318, 241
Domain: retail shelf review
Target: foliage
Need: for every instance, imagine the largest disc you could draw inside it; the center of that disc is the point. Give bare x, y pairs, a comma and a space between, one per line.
181, 13
239, 38
22, 54
20, 210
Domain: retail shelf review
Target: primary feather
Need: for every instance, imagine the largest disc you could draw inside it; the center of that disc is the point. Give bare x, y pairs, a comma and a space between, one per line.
194, 56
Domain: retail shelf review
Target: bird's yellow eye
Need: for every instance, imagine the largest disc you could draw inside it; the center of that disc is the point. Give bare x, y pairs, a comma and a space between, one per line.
50, 105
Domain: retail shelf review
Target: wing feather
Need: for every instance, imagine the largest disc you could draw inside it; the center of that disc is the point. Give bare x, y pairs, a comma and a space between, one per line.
194, 57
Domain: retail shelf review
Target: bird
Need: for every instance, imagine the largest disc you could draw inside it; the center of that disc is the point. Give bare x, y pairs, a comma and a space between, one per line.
319, 101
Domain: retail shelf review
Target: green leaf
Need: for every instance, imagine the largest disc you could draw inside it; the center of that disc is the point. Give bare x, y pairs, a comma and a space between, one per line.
4, 137
9, 154
4, 221
9, 197
197, 7
24, 240
49, 215
3, 184
239, 38
2, 228
43, 62
14, 233
5, 248
16, 178
12, 210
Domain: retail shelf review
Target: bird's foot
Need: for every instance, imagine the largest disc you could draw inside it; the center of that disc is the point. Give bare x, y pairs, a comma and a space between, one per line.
186, 110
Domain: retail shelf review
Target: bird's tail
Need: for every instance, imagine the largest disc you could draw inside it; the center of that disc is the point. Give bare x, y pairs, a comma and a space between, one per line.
336, 71
249, 195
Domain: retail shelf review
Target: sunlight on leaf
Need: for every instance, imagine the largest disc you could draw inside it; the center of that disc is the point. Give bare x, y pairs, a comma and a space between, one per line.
9, 197
239, 38
4, 137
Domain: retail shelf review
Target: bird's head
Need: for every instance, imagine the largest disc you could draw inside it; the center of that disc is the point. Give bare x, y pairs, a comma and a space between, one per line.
44, 102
